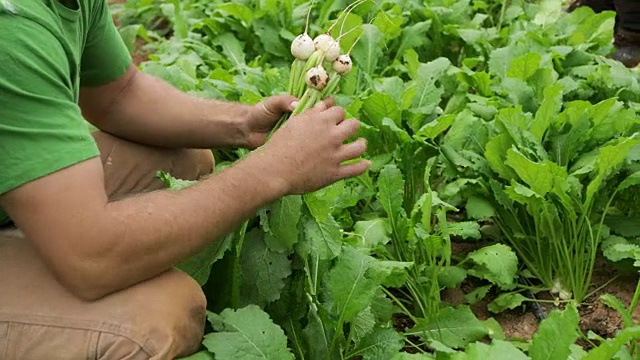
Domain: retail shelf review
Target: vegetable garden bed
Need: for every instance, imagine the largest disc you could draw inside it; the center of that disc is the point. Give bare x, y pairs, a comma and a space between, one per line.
500, 218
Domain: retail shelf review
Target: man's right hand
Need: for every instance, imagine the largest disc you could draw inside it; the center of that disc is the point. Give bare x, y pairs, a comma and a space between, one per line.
308, 151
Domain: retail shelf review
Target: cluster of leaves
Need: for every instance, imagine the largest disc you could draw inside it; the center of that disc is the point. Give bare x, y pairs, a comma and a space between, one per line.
504, 113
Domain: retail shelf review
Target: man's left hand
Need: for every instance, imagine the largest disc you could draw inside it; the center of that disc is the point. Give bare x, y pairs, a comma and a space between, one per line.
264, 115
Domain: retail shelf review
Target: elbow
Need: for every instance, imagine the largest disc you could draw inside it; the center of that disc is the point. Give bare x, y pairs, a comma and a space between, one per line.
85, 280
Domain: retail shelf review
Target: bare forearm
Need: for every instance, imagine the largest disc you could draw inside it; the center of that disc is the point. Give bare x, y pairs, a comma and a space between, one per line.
150, 111
164, 227
102, 247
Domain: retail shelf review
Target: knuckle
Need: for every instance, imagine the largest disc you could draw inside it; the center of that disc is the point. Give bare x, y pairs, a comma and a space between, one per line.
338, 111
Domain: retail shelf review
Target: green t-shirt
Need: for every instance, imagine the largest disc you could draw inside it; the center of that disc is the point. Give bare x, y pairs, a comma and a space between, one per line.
48, 49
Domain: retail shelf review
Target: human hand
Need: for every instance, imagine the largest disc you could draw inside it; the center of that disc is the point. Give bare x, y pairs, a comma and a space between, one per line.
264, 115
307, 153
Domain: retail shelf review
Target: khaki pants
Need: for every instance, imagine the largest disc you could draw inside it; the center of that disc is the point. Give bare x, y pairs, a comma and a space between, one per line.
162, 318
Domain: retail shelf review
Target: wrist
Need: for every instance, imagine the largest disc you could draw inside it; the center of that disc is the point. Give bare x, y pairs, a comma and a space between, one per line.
230, 121
266, 171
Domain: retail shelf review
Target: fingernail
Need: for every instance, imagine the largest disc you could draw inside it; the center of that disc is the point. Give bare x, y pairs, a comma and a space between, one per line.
294, 105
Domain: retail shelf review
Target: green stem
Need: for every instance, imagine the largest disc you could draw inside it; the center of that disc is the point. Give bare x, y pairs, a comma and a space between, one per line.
237, 267
332, 85
401, 305
634, 301
296, 74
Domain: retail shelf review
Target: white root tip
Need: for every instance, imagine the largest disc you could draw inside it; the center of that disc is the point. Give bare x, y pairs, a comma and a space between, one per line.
565, 295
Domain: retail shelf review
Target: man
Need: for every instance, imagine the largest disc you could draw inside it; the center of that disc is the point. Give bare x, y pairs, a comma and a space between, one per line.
627, 30
89, 275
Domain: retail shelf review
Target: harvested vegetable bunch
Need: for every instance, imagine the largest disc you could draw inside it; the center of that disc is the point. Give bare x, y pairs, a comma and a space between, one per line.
309, 79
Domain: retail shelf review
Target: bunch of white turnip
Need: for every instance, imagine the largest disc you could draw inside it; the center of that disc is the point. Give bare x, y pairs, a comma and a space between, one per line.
309, 79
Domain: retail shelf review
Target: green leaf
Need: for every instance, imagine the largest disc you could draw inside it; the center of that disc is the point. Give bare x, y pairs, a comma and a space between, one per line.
198, 266
608, 349
494, 329
232, 48
174, 183
454, 327
363, 324
413, 36
496, 152
497, 350
323, 239
369, 48
437, 127
465, 229
479, 208
555, 335
542, 177
466, 132
321, 202
401, 135
315, 336
389, 273
348, 287
383, 343
477, 294
270, 37
427, 94
525, 66
624, 225
246, 333
609, 158
548, 111
379, 106
373, 232
382, 306
409, 356
506, 301
412, 60
283, 222
263, 271
451, 276
632, 180
391, 190
239, 11
496, 263
613, 302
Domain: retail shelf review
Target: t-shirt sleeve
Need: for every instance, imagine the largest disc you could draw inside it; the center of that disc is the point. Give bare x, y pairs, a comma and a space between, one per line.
105, 56
41, 126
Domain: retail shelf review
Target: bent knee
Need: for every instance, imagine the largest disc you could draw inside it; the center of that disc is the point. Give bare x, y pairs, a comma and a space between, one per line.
170, 318
193, 164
